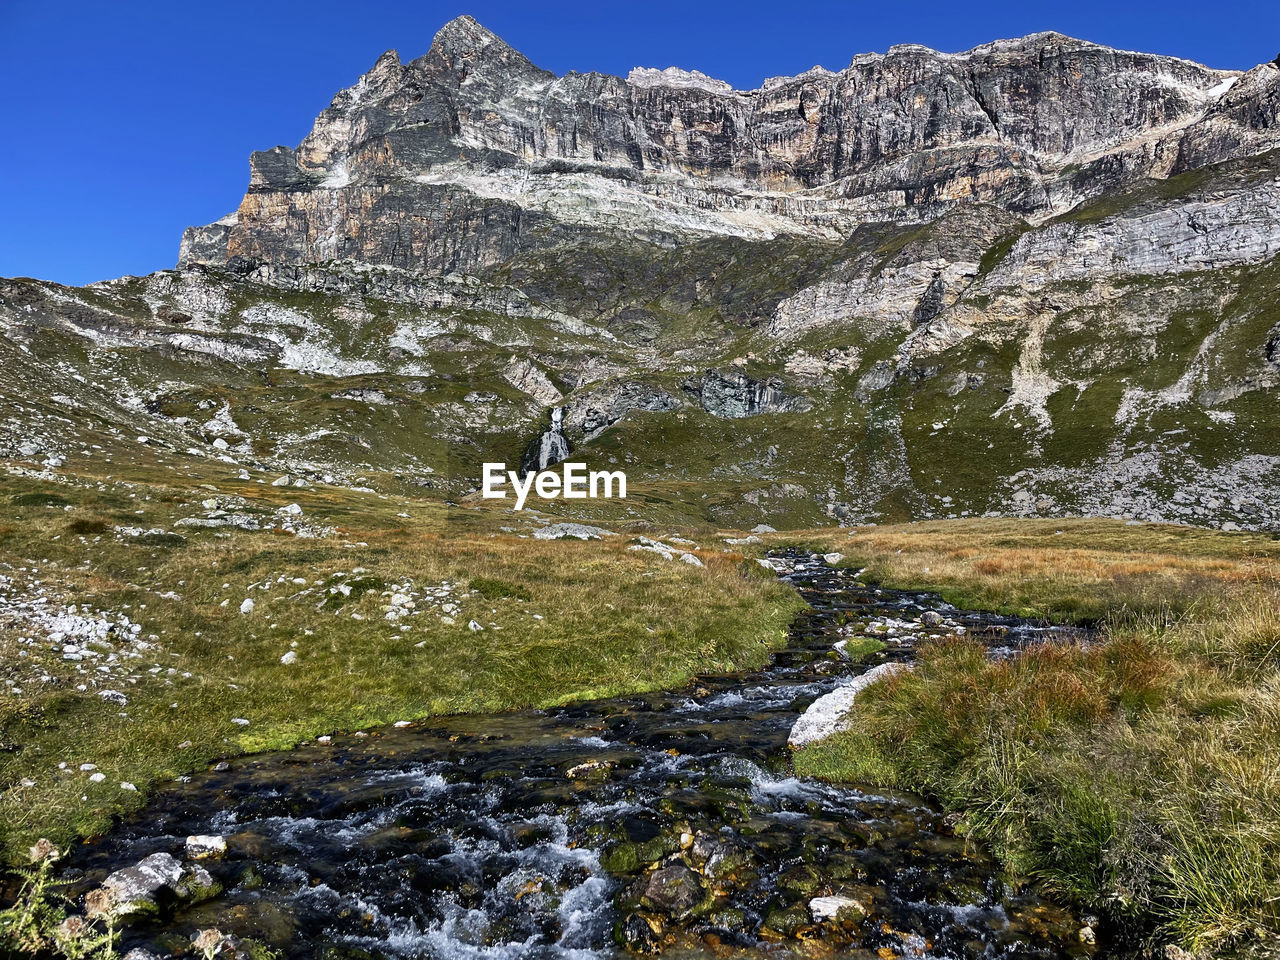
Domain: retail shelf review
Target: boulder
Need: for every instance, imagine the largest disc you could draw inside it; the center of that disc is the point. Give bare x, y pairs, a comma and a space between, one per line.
673, 889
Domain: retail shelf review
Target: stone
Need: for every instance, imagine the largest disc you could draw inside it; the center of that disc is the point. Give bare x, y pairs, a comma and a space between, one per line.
201, 847
842, 909
570, 531
639, 934
247, 606
142, 888
673, 889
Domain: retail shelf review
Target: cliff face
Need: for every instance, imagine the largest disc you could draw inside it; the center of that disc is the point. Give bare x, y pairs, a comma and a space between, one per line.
1036, 277
470, 154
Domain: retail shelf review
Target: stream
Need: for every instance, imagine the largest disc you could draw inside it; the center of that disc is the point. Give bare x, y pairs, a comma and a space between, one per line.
665, 822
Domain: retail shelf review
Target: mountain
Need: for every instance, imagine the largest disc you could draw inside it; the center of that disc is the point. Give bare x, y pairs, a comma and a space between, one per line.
1035, 277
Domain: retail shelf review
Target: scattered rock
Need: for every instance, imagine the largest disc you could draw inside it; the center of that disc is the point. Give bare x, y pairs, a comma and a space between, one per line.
204, 846
839, 908
570, 531
673, 889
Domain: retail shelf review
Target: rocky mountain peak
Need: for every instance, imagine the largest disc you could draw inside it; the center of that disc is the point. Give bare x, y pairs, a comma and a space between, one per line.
463, 34
462, 46
470, 153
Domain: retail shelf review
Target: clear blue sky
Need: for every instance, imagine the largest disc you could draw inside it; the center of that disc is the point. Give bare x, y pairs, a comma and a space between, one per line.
127, 120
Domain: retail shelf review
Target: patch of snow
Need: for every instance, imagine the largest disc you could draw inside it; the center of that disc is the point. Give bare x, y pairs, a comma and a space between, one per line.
1219, 90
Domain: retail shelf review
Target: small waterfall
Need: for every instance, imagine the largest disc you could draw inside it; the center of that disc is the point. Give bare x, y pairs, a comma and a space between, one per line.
551, 447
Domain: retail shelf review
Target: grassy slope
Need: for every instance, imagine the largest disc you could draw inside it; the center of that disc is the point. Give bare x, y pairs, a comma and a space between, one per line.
1138, 775
608, 621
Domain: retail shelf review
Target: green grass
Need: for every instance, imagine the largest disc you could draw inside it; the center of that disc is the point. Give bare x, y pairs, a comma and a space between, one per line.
1135, 776
563, 621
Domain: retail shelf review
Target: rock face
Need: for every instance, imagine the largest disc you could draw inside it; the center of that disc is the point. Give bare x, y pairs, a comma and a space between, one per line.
1037, 277
732, 394
461, 159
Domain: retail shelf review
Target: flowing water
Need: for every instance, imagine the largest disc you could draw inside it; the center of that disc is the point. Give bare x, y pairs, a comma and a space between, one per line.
535, 834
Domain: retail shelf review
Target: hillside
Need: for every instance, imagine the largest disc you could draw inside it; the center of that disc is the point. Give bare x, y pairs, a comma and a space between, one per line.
1033, 278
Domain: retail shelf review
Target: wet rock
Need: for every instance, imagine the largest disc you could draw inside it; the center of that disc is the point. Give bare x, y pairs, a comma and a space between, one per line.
785, 921
674, 889
801, 879
202, 847
720, 858
839, 908
637, 841
639, 934
141, 888
589, 770
153, 884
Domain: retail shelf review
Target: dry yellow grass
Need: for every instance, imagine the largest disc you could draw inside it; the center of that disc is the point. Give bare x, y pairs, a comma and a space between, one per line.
1137, 775
1067, 569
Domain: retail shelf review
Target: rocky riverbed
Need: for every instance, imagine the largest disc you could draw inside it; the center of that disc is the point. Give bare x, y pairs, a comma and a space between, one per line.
666, 823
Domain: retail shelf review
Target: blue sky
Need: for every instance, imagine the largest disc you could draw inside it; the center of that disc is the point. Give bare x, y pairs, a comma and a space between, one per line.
126, 121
